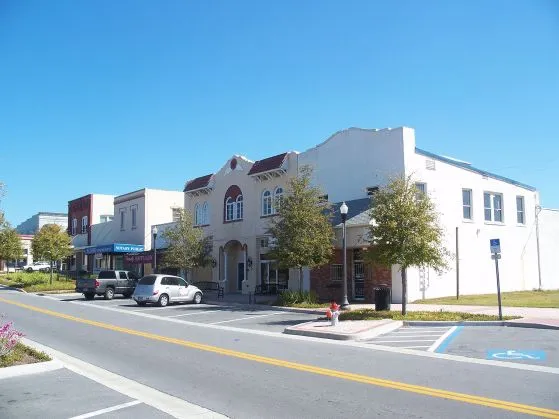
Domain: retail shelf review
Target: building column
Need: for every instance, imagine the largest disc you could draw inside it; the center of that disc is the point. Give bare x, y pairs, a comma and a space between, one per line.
224, 265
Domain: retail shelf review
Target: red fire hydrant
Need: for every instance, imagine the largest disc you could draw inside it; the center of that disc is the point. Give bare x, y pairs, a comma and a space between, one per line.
332, 313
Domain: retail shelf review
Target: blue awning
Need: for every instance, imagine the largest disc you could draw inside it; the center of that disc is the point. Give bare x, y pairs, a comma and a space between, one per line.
115, 248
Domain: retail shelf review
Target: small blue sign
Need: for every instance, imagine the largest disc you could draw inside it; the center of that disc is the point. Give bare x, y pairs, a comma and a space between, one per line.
515, 355
495, 245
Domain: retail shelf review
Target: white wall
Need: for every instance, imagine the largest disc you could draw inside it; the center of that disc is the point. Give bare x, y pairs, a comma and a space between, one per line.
353, 159
549, 248
101, 205
518, 268
159, 210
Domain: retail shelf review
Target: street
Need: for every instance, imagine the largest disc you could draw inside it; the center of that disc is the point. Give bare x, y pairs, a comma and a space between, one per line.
241, 366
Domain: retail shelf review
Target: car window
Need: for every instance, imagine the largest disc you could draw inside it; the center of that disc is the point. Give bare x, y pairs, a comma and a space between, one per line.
172, 281
148, 280
165, 281
122, 274
182, 282
107, 275
133, 275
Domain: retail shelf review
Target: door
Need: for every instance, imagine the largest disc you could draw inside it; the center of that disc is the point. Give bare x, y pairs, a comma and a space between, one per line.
240, 275
170, 287
121, 282
358, 280
183, 291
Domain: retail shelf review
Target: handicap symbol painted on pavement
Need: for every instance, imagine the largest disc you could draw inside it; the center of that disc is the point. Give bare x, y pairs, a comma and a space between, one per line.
511, 354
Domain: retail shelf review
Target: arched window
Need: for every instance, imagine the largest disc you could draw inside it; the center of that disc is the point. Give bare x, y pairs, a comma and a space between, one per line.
197, 220
266, 203
205, 214
84, 224
239, 212
278, 196
229, 209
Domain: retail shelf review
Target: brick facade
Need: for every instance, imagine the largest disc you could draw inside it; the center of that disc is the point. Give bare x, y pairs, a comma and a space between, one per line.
329, 289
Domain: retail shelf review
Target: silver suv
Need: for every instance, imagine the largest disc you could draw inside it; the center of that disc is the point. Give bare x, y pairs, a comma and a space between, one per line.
163, 289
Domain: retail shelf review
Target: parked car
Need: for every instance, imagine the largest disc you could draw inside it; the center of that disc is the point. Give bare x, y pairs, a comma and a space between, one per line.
107, 284
163, 289
37, 267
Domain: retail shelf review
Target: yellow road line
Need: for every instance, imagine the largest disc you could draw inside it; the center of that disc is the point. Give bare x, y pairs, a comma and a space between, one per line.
462, 397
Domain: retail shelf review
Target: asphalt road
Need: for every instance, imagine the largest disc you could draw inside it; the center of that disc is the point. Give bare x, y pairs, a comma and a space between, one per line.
244, 374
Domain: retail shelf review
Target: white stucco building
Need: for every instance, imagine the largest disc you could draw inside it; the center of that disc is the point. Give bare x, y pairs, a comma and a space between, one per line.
232, 206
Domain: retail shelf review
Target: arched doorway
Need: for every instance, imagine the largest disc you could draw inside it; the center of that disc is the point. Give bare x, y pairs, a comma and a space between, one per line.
233, 266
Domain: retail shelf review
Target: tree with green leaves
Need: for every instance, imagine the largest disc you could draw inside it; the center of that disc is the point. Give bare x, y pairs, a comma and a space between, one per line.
51, 243
188, 248
405, 230
302, 232
10, 244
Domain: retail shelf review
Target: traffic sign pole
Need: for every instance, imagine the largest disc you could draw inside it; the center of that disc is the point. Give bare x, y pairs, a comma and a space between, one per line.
497, 257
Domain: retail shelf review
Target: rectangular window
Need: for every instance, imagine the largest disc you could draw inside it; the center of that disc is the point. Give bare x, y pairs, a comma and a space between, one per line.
176, 214
106, 218
336, 272
74, 226
84, 224
122, 219
421, 190
520, 218
133, 213
493, 206
467, 204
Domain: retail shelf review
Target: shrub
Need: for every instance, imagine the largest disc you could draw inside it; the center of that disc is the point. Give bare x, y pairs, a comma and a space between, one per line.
290, 298
9, 338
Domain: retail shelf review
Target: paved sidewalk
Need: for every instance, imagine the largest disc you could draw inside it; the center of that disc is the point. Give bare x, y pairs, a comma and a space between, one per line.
346, 330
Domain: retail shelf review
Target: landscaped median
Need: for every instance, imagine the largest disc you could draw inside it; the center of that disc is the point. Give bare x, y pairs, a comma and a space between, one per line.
37, 281
13, 353
368, 314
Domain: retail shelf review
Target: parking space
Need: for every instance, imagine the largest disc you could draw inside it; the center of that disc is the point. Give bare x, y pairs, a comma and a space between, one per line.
420, 338
65, 394
246, 317
509, 344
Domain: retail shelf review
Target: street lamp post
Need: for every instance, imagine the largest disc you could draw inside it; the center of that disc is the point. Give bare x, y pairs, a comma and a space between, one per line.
154, 232
343, 212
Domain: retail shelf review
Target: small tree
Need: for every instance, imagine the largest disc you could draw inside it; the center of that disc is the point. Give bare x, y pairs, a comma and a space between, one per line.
51, 243
302, 230
405, 230
188, 248
10, 244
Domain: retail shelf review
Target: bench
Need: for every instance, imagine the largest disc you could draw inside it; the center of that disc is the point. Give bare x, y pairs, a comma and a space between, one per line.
210, 286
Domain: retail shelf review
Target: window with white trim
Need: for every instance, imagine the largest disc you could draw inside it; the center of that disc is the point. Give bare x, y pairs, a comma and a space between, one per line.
134, 213
267, 203
421, 190
122, 218
74, 226
520, 216
467, 212
493, 206
278, 196
105, 218
239, 208
229, 209
206, 213
176, 214
197, 215
84, 224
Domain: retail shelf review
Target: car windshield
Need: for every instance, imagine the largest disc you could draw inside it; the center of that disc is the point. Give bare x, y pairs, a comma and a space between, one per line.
107, 275
147, 280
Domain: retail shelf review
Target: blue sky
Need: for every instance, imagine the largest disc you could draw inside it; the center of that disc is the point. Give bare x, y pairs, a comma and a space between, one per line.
109, 97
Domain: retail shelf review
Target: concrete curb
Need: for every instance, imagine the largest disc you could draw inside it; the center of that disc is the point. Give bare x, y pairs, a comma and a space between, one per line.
268, 307
480, 323
29, 369
7, 287
374, 332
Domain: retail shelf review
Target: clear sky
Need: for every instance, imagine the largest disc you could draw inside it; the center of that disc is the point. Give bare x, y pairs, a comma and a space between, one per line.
113, 96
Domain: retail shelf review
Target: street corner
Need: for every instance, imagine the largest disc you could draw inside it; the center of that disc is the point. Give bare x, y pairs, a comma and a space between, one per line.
344, 330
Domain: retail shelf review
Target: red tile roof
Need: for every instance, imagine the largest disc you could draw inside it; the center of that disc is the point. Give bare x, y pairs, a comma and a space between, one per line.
198, 183
268, 164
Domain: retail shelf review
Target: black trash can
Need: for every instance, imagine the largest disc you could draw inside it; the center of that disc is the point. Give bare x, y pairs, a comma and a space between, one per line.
383, 296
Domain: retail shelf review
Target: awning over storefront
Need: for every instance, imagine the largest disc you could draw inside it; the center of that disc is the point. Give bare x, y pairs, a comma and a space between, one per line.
115, 248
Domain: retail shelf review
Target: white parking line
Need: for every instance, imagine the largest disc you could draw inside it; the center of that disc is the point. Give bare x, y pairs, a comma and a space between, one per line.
440, 340
161, 308
247, 318
107, 410
197, 312
403, 340
416, 335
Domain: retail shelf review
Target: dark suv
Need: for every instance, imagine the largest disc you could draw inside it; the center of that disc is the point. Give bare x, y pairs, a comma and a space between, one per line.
107, 284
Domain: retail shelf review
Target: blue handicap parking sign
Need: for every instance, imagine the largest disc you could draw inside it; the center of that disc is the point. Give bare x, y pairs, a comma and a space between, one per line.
515, 355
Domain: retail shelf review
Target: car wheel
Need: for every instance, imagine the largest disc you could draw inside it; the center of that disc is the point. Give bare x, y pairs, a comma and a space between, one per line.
198, 298
141, 303
89, 296
163, 300
29, 269
109, 294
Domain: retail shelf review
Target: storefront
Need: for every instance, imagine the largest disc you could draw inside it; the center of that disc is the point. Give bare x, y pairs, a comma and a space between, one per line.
113, 256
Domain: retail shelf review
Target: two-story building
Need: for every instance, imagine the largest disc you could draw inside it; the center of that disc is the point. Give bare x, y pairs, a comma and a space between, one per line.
234, 204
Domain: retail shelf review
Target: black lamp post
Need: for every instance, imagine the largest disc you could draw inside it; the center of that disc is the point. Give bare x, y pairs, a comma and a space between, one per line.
343, 212
154, 232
